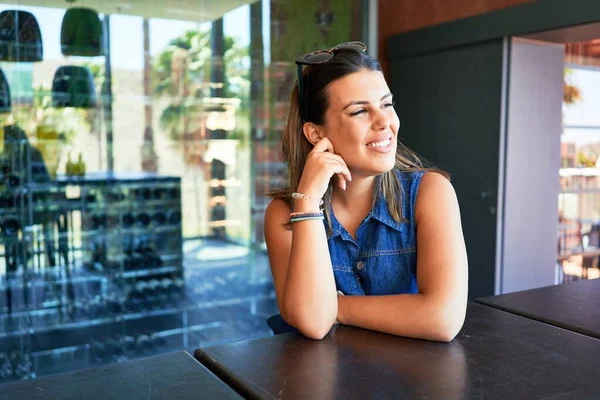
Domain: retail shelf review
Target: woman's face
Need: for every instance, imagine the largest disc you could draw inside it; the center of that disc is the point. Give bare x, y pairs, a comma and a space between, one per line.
361, 122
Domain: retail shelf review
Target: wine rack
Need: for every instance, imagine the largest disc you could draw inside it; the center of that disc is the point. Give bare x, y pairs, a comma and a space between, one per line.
92, 272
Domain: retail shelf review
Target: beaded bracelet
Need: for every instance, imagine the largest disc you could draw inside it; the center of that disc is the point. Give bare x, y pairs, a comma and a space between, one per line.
296, 214
299, 219
306, 197
300, 216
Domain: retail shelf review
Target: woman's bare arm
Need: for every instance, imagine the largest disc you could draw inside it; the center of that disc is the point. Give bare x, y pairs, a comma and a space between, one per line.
301, 268
437, 312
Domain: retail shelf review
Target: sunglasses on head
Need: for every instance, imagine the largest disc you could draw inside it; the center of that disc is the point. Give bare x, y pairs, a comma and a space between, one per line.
320, 57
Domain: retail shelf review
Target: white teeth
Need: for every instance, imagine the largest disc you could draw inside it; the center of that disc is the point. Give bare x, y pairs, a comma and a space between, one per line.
383, 143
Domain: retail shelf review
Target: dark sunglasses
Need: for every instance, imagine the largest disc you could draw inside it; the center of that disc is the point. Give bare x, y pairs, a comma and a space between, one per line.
320, 57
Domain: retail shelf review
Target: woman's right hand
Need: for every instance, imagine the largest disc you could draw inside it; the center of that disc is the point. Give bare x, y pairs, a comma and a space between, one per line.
321, 164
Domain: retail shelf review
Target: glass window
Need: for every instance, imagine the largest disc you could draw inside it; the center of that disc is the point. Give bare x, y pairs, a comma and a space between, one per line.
137, 144
579, 201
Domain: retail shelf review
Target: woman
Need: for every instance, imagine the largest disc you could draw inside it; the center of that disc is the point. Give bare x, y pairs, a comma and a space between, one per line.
355, 261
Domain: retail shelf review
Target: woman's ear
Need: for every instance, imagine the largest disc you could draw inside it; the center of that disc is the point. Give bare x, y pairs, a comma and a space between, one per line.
312, 133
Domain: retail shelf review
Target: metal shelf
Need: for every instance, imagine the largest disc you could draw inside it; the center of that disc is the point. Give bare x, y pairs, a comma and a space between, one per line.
137, 315
110, 232
37, 279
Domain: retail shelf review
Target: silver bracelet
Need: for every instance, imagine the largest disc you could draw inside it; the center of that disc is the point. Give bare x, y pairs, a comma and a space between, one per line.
306, 197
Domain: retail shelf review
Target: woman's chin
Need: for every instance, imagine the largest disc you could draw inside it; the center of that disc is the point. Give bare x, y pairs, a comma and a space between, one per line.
388, 165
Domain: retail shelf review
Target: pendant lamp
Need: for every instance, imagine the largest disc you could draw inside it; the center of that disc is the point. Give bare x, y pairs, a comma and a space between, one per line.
5, 105
73, 86
81, 33
20, 37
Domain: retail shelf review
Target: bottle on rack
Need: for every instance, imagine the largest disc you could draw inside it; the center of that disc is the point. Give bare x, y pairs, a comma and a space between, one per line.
96, 307
146, 193
134, 299
10, 226
80, 166
143, 220
128, 344
114, 348
165, 291
114, 304
138, 260
151, 257
22, 366
6, 202
6, 368
90, 197
179, 285
12, 181
78, 310
98, 351
159, 289
174, 217
174, 193
98, 221
160, 218
158, 341
148, 293
144, 344
157, 193
70, 167
127, 219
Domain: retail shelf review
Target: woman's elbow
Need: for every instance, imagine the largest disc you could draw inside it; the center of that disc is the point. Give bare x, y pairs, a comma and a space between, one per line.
448, 324
445, 334
315, 332
312, 326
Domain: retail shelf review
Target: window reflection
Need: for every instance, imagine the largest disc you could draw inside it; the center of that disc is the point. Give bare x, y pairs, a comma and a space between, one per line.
136, 147
579, 201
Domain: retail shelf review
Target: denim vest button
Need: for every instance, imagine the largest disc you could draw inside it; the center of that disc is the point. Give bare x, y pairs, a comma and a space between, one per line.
360, 265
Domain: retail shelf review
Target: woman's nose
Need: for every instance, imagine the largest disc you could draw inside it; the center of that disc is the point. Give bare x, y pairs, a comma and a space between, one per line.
381, 120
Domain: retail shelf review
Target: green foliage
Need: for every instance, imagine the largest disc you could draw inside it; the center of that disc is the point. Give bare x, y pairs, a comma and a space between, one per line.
182, 71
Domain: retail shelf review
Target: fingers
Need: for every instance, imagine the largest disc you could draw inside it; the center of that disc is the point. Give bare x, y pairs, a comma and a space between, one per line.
342, 181
324, 152
340, 170
339, 160
322, 146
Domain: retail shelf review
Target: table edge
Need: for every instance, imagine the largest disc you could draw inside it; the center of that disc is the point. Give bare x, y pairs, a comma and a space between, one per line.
242, 386
486, 301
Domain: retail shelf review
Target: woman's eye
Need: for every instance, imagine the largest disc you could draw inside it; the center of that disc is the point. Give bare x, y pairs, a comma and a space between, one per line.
387, 105
357, 112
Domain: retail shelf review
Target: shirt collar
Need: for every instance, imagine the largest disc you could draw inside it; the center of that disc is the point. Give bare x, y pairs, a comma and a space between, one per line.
379, 212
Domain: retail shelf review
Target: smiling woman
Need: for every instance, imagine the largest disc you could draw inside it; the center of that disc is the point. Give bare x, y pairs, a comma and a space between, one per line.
388, 237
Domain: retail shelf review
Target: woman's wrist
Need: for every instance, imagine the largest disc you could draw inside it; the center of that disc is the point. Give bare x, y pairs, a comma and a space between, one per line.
340, 315
306, 206
305, 200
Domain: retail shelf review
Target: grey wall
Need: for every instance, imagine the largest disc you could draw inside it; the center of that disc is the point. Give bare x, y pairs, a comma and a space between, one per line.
532, 162
451, 105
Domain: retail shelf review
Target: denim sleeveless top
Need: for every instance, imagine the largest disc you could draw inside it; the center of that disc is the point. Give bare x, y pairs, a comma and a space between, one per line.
383, 258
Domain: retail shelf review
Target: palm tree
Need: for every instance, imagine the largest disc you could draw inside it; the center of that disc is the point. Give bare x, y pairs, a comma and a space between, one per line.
182, 73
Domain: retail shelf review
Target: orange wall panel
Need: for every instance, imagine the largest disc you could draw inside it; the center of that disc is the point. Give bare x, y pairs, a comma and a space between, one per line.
397, 16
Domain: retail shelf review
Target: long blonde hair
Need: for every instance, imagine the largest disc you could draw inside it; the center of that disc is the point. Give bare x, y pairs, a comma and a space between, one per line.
295, 147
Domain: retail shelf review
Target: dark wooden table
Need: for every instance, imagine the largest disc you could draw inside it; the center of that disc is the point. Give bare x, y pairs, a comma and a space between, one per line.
170, 376
497, 355
574, 305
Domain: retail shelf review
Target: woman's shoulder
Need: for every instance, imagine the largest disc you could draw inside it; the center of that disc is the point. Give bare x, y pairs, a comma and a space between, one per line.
435, 191
416, 177
277, 209
277, 214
